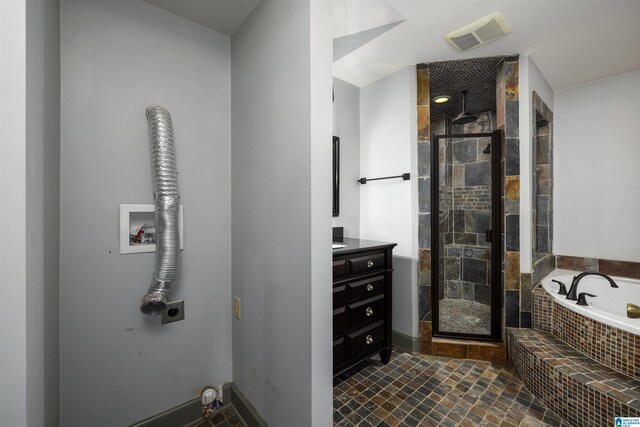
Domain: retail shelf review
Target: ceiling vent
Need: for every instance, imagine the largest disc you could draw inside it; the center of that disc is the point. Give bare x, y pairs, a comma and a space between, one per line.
479, 32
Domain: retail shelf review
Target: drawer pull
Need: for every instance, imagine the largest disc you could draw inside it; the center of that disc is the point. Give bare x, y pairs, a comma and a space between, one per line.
368, 339
369, 311
369, 263
369, 287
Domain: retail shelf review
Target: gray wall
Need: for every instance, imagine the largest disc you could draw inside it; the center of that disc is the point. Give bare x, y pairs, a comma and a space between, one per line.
29, 206
43, 210
389, 209
281, 203
13, 328
595, 171
346, 125
118, 57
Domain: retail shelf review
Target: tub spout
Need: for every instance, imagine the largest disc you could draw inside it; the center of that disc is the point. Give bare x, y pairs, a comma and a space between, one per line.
573, 290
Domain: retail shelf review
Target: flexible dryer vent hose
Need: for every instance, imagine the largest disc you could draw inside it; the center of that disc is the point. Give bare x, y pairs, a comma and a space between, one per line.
167, 208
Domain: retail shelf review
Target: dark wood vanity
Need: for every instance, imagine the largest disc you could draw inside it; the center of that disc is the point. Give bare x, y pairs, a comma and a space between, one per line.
362, 273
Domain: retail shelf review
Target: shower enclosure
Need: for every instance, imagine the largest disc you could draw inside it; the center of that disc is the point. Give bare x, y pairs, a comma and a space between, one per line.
467, 234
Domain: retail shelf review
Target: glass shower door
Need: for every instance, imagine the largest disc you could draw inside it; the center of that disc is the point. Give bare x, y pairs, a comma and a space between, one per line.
467, 200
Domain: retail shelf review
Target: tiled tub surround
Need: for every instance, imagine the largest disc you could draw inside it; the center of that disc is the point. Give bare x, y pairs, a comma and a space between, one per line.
542, 304
583, 392
601, 331
574, 265
585, 370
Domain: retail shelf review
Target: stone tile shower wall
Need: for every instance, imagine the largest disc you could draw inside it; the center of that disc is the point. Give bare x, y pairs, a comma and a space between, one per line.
467, 207
516, 312
543, 202
543, 261
424, 207
542, 258
506, 119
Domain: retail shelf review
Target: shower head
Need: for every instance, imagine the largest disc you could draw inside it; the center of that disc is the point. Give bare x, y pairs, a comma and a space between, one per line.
487, 149
464, 116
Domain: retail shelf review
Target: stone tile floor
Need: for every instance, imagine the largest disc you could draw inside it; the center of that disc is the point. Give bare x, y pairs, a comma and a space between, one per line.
417, 390
226, 417
467, 317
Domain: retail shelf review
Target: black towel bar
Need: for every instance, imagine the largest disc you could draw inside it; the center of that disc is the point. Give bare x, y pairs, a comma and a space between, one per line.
404, 176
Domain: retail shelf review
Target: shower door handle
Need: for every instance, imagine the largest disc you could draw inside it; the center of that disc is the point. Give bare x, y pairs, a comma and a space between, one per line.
487, 235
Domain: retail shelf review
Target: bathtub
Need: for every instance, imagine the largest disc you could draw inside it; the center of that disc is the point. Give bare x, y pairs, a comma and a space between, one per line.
610, 305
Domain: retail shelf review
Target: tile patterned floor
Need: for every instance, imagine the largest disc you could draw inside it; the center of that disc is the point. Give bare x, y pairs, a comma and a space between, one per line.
469, 317
226, 417
416, 390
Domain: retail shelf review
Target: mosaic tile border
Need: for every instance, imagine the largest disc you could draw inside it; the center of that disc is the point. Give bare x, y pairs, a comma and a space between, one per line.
575, 387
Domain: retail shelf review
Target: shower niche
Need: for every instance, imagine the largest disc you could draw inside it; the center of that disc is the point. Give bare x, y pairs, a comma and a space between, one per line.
466, 201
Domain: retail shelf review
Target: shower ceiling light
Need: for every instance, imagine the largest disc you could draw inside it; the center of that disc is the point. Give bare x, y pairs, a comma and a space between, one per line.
441, 99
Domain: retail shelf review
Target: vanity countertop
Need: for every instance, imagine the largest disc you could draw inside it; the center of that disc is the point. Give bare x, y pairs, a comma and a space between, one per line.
358, 245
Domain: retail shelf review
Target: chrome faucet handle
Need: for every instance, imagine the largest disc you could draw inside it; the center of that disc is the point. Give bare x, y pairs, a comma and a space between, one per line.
563, 287
582, 300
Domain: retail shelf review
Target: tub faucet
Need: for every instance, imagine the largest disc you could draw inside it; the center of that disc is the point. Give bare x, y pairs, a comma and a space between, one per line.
582, 300
573, 290
563, 288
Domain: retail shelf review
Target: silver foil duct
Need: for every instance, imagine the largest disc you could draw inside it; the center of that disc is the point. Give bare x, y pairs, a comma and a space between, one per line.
167, 208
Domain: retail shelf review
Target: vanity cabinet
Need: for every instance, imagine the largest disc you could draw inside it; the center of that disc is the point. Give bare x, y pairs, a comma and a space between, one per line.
362, 279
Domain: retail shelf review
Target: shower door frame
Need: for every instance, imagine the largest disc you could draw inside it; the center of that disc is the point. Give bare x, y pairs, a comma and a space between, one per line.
497, 138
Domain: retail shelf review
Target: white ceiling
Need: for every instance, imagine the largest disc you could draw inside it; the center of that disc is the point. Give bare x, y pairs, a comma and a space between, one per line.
224, 16
571, 41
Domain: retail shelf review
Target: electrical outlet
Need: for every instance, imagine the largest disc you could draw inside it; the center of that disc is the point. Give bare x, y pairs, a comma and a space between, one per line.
173, 312
236, 307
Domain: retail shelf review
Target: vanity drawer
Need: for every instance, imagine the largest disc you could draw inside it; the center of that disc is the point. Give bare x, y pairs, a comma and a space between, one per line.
339, 296
338, 352
365, 312
364, 288
339, 321
339, 268
365, 340
367, 263
361, 323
